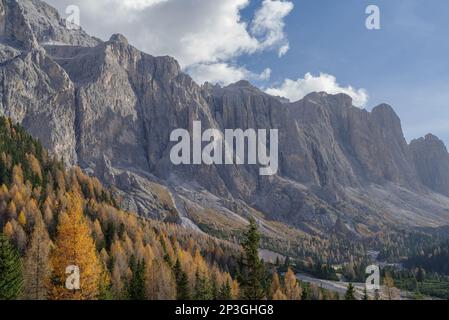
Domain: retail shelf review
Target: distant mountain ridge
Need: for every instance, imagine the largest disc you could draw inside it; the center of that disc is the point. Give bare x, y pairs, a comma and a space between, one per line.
110, 108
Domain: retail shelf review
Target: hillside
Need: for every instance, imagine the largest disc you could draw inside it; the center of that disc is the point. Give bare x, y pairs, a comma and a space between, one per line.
38, 194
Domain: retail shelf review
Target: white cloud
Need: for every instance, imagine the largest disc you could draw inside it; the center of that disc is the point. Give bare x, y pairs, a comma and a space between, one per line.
298, 89
135, 4
203, 35
283, 50
268, 24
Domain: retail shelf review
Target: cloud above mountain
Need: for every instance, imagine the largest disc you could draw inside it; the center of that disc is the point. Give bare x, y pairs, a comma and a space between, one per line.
206, 37
298, 89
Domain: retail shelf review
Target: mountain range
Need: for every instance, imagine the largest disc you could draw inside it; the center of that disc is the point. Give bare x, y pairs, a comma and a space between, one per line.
110, 108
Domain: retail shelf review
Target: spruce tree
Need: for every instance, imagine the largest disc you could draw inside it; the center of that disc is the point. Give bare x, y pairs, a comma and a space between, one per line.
350, 292
225, 292
251, 270
376, 295
306, 292
202, 288
11, 278
182, 282
365, 295
136, 286
215, 290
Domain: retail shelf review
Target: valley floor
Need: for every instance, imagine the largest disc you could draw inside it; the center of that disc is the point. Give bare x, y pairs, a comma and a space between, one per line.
341, 287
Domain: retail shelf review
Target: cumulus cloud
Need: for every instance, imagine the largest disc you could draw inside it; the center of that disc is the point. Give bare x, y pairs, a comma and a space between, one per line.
298, 89
203, 35
268, 24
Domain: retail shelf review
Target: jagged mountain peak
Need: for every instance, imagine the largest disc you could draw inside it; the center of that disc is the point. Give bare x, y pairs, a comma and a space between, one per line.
243, 86
324, 98
240, 84
432, 162
26, 23
431, 138
120, 38
386, 110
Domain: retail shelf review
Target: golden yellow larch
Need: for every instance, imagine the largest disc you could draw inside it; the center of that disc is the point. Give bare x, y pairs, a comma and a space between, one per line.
74, 247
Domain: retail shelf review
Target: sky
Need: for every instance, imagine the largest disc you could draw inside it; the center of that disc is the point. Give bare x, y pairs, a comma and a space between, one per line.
291, 48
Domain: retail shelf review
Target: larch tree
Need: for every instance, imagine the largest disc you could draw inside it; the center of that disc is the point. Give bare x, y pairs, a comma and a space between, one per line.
37, 268
22, 219
293, 290
275, 285
105, 286
75, 247
11, 279
279, 295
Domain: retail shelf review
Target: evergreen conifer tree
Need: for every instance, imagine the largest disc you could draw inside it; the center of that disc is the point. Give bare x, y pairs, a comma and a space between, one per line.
11, 278
251, 269
350, 292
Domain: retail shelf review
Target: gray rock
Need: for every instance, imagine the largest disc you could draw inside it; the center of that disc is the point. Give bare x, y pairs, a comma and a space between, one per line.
432, 163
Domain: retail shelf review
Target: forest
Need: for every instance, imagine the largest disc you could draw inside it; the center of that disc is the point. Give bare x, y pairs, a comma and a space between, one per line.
52, 217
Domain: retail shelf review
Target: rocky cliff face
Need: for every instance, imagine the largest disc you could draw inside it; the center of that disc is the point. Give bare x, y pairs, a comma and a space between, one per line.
432, 163
111, 108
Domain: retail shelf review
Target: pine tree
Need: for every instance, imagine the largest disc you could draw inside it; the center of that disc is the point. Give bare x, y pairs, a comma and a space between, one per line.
11, 279
37, 268
350, 292
75, 247
251, 269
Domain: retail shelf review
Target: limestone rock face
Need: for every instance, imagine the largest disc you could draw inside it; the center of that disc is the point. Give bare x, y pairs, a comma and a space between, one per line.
432, 163
34, 20
110, 108
36, 92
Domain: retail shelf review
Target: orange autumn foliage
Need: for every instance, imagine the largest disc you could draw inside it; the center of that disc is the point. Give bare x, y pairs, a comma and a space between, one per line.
74, 247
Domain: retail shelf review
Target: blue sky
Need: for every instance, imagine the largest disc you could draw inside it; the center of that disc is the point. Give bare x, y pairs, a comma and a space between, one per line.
404, 64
